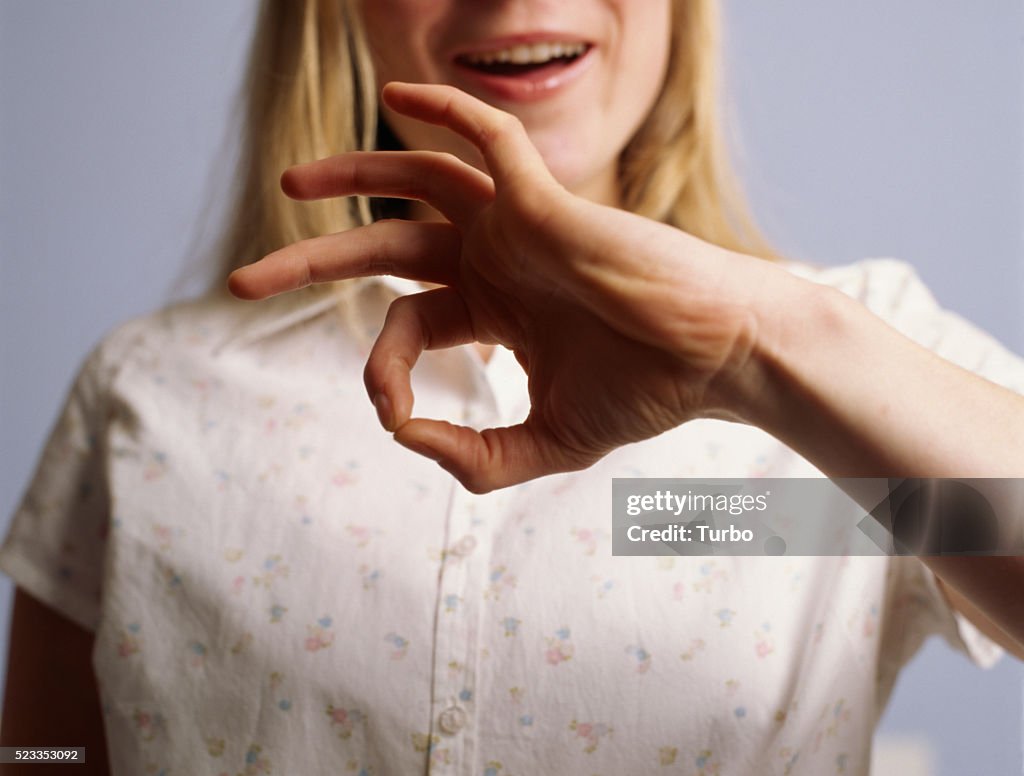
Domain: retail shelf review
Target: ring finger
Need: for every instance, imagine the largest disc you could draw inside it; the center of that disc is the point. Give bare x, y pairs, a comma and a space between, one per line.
427, 252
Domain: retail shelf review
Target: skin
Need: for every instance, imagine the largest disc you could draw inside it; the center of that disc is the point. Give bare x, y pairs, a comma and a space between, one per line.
51, 698
579, 133
532, 254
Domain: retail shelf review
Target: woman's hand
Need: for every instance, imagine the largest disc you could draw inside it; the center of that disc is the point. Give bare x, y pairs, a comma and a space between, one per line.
628, 328
625, 326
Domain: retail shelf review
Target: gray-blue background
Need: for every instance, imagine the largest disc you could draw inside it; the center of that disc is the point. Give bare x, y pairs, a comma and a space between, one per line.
865, 129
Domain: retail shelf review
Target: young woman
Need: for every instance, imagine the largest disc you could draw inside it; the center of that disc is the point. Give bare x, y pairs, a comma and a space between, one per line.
263, 581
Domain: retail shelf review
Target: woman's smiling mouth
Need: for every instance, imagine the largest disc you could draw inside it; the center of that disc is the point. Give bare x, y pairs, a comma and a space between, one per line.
525, 68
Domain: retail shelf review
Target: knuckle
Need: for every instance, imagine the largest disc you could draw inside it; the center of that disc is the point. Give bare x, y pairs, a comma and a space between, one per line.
510, 123
537, 209
501, 125
477, 483
478, 489
375, 249
373, 378
399, 313
444, 160
504, 125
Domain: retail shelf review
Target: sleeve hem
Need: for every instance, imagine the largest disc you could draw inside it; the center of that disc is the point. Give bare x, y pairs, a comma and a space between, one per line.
962, 634
70, 603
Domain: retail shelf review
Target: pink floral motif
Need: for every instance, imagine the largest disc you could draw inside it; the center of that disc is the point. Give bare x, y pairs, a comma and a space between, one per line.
591, 732
344, 720
148, 725
343, 477
678, 589
764, 642
362, 534
165, 535
440, 755
559, 647
319, 635
129, 642
588, 538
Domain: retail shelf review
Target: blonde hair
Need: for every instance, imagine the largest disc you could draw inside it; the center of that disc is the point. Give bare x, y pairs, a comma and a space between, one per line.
310, 92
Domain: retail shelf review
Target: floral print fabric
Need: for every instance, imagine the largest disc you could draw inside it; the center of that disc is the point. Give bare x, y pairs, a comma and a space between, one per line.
277, 587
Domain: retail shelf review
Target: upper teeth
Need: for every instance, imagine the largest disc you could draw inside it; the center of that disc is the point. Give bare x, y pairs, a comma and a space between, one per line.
527, 55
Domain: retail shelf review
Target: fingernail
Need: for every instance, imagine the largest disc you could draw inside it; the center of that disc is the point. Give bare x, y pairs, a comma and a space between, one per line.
382, 404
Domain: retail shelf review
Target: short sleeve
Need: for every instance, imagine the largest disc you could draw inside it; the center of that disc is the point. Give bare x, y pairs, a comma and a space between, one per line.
894, 291
55, 544
920, 609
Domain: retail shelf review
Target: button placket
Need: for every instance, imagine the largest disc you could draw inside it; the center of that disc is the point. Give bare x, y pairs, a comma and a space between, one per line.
464, 546
452, 720
462, 583
463, 577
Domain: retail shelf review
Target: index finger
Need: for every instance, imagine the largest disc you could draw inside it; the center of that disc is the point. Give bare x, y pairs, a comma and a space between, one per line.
500, 136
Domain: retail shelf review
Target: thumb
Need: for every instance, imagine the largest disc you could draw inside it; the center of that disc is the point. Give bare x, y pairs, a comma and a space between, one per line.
493, 458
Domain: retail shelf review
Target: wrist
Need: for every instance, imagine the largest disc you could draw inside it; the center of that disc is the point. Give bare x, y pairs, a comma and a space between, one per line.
789, 318
857, 398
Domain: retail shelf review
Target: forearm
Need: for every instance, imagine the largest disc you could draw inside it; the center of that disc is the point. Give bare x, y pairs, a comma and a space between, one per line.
51, 697
858, 399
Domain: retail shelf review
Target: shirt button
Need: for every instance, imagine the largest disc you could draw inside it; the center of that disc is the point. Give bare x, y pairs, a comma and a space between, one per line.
452, 720
464, 546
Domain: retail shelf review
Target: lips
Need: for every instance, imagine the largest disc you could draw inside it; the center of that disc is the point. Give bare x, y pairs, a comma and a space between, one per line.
524, 68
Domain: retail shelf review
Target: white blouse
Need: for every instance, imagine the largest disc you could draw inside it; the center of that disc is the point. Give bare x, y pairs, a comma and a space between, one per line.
277, 587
